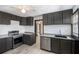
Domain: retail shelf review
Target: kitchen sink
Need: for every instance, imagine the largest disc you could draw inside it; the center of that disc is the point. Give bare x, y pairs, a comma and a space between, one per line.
62, 36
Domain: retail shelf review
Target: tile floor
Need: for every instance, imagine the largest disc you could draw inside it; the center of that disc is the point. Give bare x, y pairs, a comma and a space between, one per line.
25, 49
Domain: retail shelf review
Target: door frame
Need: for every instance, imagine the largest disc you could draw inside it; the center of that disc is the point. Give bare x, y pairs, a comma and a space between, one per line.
36, 28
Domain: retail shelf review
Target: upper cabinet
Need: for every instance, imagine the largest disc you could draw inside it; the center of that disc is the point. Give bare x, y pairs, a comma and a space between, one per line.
4, 18
13, 17
29, 21
57, 17
67, 16
45, 19
48, 19
26, 21
16, 18
23, 21
61, 17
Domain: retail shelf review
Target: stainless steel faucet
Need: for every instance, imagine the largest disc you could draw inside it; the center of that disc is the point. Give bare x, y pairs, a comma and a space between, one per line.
60, 32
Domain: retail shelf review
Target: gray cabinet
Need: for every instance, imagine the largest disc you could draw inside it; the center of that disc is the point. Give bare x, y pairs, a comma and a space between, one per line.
4, 18
9, 43
23, 21
2, 45
75, 46
52, 18
66, 46
18, 18
29, 21
55, 45
13, 17
45, 18
60, 17
5, 44
29, 39
67, 16
26, 21
48, 19
61, 46
57, 17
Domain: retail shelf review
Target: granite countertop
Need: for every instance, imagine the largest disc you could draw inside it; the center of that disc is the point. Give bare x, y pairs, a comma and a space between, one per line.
28, 33
20, 34
53, 36
5, 36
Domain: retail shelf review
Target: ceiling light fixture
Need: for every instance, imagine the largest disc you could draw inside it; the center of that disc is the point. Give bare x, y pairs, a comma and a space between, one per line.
24, 8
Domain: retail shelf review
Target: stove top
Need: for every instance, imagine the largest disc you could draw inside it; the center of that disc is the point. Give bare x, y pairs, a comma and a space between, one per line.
13, 33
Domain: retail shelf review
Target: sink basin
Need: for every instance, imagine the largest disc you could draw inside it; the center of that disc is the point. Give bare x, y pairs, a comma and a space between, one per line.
62, 36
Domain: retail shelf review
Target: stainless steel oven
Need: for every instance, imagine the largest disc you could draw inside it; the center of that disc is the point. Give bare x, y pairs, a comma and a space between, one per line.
17, 38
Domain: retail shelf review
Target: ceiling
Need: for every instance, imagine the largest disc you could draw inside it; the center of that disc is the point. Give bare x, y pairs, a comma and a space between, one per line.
36, 9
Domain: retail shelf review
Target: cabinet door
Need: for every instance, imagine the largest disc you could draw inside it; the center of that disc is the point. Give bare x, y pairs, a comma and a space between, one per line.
75, 47
29, 20
8, 43
26, 39
23, 21
67, 16
45, 18
2, 45
4, 18
9, 16
66, 46
50, 19
57, 17
55, 45
14, 17
18, 18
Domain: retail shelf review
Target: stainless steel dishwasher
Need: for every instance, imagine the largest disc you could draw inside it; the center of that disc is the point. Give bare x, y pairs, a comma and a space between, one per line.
45, 43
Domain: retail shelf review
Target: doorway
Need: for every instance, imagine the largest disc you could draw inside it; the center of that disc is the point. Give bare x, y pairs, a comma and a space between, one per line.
39, 29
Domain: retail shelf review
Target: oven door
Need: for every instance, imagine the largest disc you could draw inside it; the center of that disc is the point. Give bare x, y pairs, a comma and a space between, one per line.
17, 41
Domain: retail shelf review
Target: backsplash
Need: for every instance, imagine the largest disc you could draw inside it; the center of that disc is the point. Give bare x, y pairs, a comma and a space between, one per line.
58, 29
15, 26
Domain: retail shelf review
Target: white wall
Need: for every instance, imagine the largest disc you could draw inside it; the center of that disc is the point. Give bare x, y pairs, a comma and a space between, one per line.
29, 28
54, 29
75, 7
15, 26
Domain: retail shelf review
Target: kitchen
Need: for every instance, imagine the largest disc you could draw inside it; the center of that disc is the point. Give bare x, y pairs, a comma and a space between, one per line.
53, 30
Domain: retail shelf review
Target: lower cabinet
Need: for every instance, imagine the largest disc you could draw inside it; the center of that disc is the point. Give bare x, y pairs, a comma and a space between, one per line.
61, 46
75, 46
55, 45
65, 46
29, 39
2, 45
9, 43
5, 44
